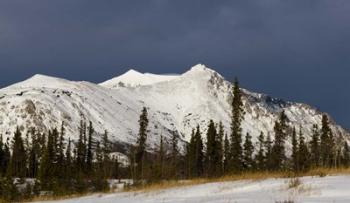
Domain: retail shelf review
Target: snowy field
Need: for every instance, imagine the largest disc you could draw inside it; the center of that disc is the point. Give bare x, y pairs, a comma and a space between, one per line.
331, 189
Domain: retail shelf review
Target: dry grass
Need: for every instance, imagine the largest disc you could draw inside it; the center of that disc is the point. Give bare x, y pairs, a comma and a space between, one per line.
320, 172
62, 197
197, 181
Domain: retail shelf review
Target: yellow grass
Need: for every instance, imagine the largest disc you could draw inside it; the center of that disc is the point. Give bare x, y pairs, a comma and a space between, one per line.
320, 172
50, 198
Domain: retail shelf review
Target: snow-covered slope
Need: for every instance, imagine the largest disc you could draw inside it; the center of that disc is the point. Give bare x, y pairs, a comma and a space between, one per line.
312, 190
175, 103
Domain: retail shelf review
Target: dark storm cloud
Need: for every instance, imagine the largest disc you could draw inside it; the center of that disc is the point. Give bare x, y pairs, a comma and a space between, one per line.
297, 50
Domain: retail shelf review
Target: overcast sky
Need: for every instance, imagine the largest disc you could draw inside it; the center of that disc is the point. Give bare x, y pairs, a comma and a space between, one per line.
293, 49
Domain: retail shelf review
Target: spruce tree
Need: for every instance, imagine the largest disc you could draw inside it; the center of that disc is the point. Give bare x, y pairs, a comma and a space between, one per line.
260, 157
99, 160
7, 157
248, 150
105, 155
268, 153
69, 161
191, 155
60, 153
161, 158
278, 149
303, 153
89, 156
34, 156
326, 143
332, 150
80, 159
346, 155
220, 149
236, 130
18, 159
315, 147
295, 151
141, 143
47, 168
199, 154
116, 174
227, 154
212, 156
174, 154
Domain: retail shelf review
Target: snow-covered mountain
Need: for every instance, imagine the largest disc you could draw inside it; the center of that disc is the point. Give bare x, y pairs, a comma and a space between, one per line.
175, 103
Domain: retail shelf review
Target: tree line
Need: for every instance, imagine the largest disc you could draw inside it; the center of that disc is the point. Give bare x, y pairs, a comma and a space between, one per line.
55, 164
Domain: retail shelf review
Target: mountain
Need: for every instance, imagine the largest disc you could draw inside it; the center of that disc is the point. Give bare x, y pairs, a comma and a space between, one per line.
176, 103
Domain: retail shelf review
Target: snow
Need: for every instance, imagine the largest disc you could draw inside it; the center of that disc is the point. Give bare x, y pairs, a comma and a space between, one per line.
133, 78
311, 190
175, 103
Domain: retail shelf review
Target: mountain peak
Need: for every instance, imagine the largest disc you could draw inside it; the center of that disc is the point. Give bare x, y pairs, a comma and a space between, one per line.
200, 67
133, 78
42, 77
40, 80
132, 72
202, 71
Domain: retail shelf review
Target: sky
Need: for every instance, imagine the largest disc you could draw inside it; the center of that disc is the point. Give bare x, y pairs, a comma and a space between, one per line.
296, 50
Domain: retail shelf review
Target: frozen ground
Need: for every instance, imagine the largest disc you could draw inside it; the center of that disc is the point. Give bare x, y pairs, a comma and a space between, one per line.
313, 189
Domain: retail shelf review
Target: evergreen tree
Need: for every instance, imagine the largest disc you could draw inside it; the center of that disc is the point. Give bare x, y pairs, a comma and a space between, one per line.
248, 149
6, 158
191, 155
80, 159
105, 155
141, 143
268, 154
212, 157
332, 150
174, 154
60, 153
315, 147
69, 160
260, 157
161, 158
346, 155
116, 168
227, 154
220, 149
46, 171
278, 150
295, 151
326, 143
236, 130
303, 153
43, 142
199, 154
18, 159
34, 155
89, 156
99, 160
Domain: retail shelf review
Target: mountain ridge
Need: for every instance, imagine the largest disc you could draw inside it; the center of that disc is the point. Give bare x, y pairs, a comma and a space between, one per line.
175, 103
